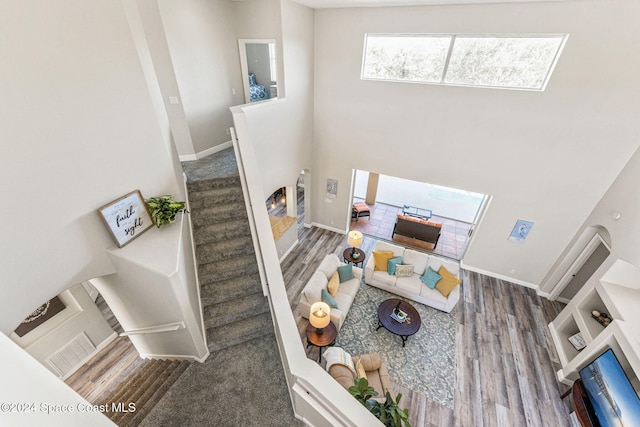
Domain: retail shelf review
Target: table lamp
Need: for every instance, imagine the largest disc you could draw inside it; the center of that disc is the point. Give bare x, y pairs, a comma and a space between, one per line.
355, 240
319, 316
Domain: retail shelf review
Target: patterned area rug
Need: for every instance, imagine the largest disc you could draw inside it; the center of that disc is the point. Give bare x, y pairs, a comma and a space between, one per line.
426, 364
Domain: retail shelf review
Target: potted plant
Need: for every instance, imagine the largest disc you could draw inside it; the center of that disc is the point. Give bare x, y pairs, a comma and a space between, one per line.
388, 412
163, 210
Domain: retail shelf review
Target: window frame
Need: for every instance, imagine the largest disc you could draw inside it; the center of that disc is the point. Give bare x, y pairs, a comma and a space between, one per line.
453, 36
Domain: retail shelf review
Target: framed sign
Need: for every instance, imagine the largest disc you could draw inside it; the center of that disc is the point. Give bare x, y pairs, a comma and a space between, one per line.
520, 230
126, 217
332, 188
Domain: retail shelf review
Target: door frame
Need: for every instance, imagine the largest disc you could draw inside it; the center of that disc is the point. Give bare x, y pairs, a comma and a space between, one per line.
578, 263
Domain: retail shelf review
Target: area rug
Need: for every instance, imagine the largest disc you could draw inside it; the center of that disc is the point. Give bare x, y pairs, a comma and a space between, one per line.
426, 364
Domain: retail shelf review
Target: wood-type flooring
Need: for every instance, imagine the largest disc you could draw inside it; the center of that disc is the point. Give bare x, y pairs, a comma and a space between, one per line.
505, 359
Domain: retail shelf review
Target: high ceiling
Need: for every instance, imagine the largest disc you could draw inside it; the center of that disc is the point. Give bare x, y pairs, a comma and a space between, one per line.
328, 4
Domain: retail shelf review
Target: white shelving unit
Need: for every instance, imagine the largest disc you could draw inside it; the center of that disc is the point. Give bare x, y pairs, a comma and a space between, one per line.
618, 295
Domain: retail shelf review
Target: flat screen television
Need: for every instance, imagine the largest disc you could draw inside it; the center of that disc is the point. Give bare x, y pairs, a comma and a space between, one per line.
614, 401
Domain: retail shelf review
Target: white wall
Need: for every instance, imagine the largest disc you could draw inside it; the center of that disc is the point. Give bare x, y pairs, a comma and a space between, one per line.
546, 157
30, 383
624, 233
78, 130
281, 130
204, 53
79, 315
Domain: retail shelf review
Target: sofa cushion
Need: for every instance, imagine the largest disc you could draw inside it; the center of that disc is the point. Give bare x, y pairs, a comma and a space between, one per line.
317, 282
411, 284
326, 297
383, 278
448, 281
350, 287
334, 284
430, 278
404, 270
391, 264
343, 301
381, 258
345, 272
433, 295
435, 263
329, 265
418, 259
384, 246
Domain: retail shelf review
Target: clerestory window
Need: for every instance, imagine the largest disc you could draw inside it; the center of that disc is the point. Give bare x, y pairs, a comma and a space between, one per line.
495, 61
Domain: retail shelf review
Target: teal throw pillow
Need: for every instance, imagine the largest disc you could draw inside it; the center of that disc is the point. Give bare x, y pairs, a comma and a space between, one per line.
326, 297
345, 273
430, 278
391, 264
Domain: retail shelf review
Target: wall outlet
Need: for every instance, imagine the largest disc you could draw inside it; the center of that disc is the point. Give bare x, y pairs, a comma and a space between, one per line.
513, 271
228, 132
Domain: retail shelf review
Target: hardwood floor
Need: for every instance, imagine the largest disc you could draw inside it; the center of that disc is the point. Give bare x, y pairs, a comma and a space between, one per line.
506, 362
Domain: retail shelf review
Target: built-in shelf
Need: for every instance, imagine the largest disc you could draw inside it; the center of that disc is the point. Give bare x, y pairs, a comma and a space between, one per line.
622, 335
591, 302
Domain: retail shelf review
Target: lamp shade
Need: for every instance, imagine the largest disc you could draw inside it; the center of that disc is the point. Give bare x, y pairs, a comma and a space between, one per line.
355, 238
319, 316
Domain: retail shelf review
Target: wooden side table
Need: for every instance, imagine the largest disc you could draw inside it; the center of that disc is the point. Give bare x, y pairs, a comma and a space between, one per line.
355, 261
325, 339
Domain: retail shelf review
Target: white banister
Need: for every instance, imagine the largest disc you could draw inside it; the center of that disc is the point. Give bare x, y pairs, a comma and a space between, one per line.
169, 327
316, 398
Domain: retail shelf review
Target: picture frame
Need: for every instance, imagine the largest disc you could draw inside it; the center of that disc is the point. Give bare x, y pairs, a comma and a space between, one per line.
577, 341
332, 188
520, 230
126, 217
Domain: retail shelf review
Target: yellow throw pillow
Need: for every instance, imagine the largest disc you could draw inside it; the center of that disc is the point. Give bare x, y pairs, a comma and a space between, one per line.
447, 283
381, 259
360, 370
334, 284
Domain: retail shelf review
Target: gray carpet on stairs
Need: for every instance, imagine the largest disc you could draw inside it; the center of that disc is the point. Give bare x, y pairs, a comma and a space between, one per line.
242, 385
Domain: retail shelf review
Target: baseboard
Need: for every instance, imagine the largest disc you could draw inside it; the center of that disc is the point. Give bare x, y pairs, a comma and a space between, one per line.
174, 357
324, 227
205, 153
500, 276
289, 250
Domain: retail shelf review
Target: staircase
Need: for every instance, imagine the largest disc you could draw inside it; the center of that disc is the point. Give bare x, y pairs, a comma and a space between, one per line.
234, 308
132, 400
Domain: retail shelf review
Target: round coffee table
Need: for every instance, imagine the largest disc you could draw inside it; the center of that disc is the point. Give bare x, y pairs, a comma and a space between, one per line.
348, 258
403, 329
325, 339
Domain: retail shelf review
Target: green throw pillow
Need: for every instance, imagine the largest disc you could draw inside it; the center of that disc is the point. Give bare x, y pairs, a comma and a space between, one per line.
345, 273
391, 264
430, 278
326, 297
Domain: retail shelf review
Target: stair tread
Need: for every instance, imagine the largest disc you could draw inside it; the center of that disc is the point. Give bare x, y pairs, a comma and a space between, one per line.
235, 227
226, 290
226, 269
217, 214
143, 395
241, 307
225, 249
238, 332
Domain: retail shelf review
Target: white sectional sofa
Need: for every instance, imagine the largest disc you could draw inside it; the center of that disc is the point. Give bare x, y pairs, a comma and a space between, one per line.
320, 279
412, 287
